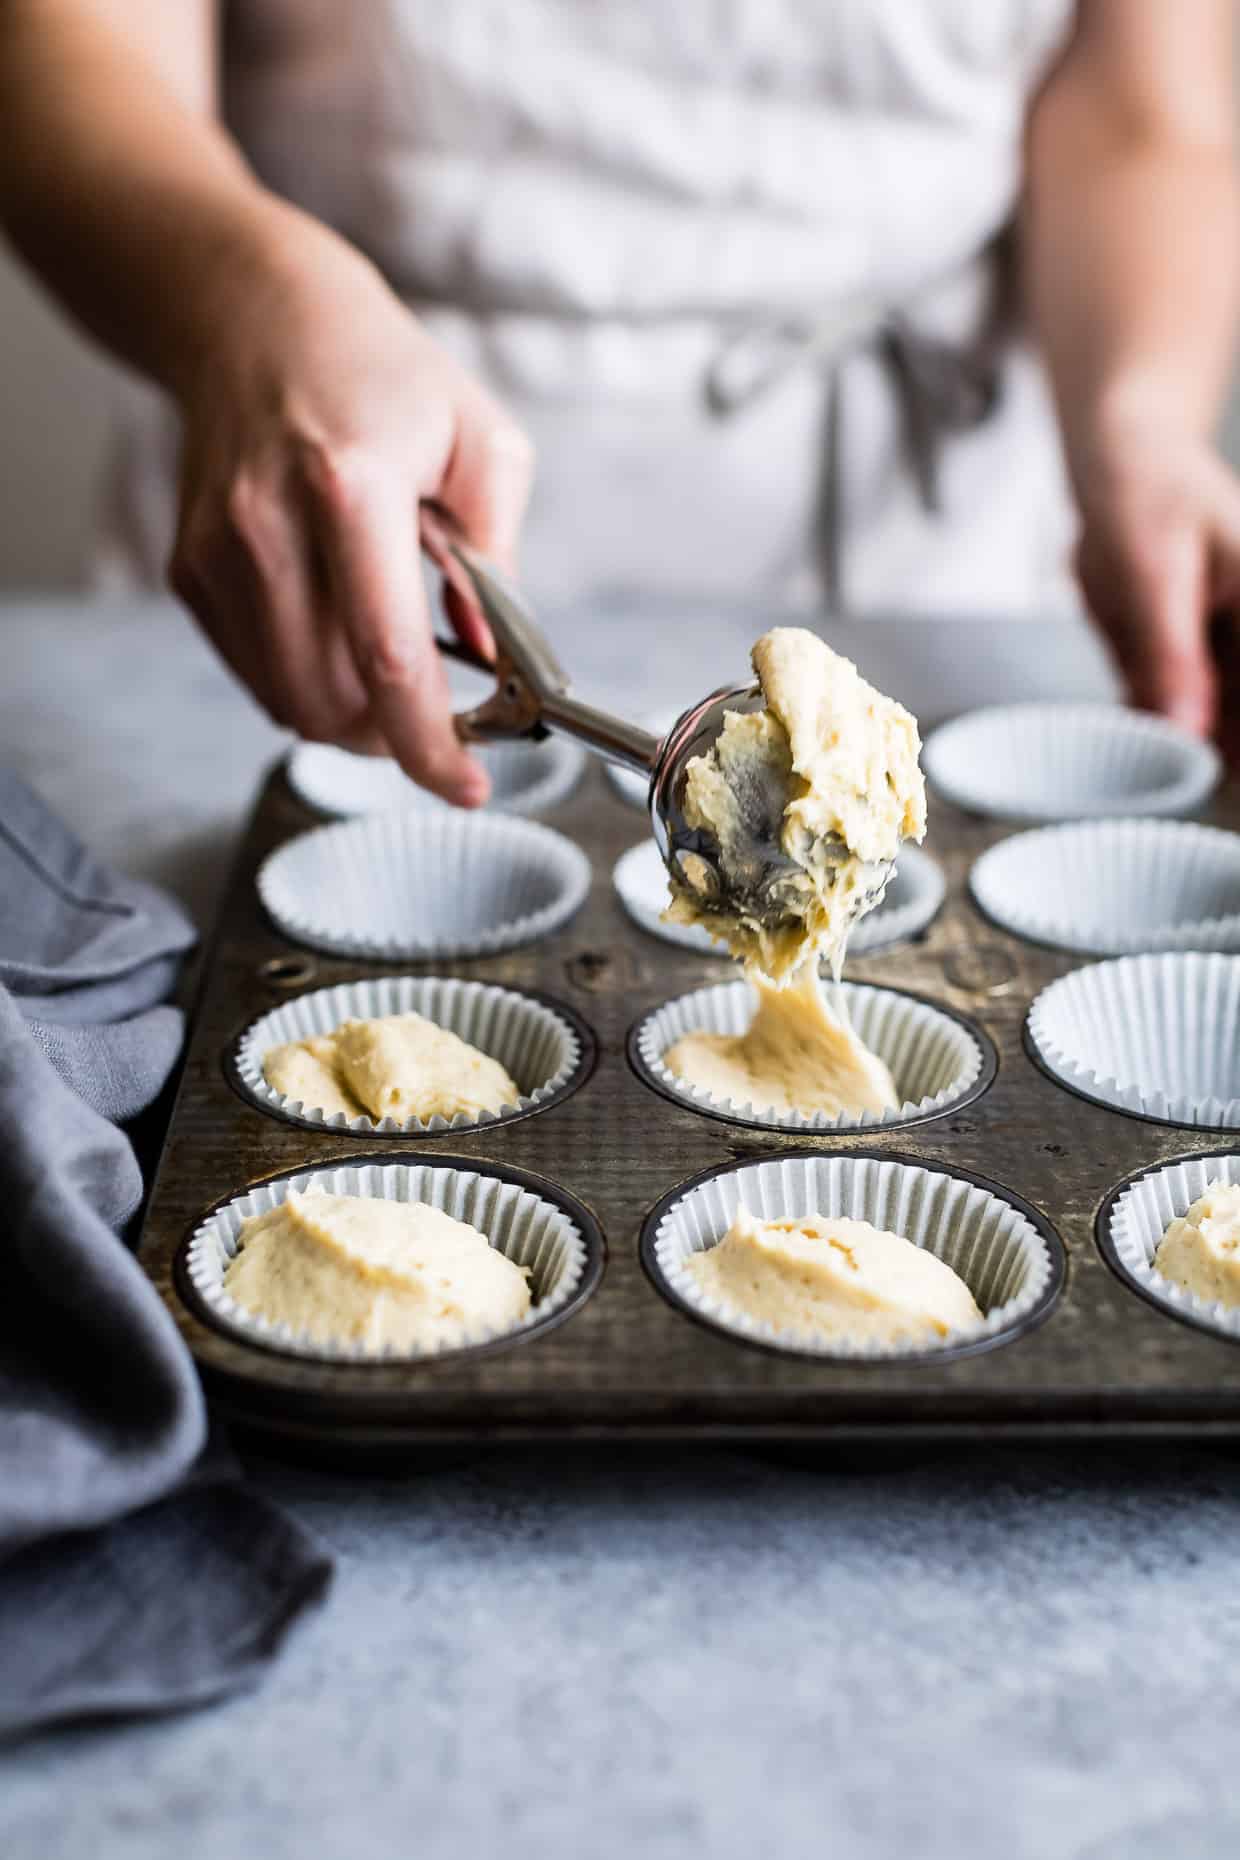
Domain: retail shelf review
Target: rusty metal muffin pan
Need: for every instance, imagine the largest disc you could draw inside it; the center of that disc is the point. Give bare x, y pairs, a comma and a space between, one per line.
626, 1362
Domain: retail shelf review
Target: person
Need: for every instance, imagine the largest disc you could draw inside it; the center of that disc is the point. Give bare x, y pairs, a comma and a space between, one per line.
772, 294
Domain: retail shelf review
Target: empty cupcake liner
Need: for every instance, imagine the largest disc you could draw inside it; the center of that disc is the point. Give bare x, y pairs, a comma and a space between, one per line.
557, 1240
1134, 1219
526, 778
1069, 762
542, 1049
1009, 1256
912, 899
1158, 1036
407, 885
1115, 887
938, 1061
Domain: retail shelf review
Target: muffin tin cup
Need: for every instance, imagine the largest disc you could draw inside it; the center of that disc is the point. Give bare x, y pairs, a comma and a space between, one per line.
409, 886
1026, 762
1133, 1219
1155, 1036
1115, 887
909, 904
526, 778
545, 1048
1007, 1253
531, 1221
938, 1059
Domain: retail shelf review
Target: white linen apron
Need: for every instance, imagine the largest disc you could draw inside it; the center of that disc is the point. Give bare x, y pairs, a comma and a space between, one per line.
738, 267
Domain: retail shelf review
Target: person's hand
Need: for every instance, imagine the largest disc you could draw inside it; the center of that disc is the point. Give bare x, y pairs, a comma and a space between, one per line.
1159, 565
318, 417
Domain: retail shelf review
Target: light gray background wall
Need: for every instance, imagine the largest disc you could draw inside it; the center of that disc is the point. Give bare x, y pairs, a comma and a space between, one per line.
54, 402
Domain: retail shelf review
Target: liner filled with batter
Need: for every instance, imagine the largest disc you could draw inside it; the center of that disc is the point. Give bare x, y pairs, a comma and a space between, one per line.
1004, 1265
831, 1045
350, 1298
531, 1052
1176, 1250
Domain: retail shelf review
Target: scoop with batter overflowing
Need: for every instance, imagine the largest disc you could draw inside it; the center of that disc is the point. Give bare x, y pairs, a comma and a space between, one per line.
1201, 1249
795, 1055
834, 1280
834, 763
390, 1275
828, 770
398, 1065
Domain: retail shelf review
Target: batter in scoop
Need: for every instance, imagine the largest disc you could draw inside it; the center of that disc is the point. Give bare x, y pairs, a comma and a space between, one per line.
385, 1274
828, 774
834, 1280
795, 1055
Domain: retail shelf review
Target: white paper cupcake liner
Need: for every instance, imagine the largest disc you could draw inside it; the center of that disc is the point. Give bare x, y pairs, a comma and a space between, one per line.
541, 1049
1069, 762
526, 778
1008, 1256
560, 1244
1134, 1219
911, 901
1155, 1035
938, 1062
1115, 887
408, 885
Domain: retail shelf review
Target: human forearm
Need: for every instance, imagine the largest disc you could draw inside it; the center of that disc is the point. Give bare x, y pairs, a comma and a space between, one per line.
1131, 244
145, 217
1131, 260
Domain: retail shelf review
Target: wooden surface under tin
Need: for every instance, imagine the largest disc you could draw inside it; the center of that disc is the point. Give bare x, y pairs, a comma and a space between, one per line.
627, 1363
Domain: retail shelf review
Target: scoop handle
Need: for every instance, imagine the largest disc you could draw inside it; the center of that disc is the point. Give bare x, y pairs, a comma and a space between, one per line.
532, 692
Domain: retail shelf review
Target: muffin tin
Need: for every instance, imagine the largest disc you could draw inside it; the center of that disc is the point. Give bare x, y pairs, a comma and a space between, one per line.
624, 1358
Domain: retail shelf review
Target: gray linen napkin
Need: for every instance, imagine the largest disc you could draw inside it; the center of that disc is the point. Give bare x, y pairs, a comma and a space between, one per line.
135, 1574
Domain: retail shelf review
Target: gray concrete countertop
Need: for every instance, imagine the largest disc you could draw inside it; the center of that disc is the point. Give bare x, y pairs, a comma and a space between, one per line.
615, 1653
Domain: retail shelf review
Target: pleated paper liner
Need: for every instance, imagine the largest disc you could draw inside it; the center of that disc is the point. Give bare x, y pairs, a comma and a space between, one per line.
1069, 762
404, 886
938, 1060
1006, 1252
545, 1048
1134, 1218
911, 901
532, 1222
1115, 887
1157, 1036
526, 778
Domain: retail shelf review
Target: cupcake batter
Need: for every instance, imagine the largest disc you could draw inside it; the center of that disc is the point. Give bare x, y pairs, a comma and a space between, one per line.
398, 1065
307, 1071
1201, 1249
794, 1056
385, 1274
829, 772
834, 1280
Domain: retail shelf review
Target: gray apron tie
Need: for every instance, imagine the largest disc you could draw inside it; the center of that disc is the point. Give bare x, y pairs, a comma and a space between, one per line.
940, 390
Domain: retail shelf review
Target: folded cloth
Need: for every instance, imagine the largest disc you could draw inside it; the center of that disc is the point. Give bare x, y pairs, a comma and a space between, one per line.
126, 1582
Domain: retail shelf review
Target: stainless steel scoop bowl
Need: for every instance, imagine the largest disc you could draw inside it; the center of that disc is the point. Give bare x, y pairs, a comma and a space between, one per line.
532, 696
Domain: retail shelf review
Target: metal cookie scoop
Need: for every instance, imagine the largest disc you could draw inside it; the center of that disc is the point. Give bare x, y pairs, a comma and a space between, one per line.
532, 696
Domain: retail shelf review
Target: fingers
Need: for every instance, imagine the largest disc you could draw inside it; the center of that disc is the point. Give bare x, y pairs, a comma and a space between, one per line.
370, 547
1150, 598
242, 563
